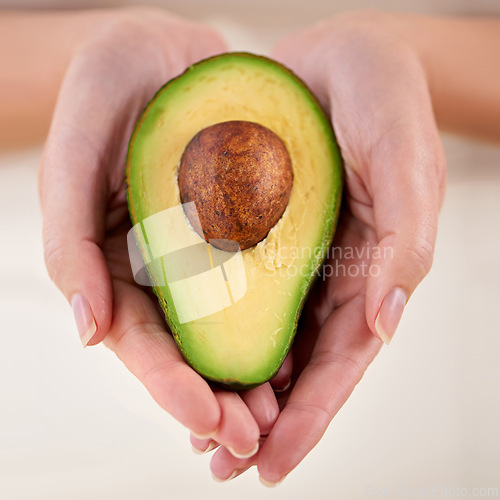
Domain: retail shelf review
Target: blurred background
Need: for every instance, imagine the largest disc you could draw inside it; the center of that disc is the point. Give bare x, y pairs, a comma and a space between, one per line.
74, 424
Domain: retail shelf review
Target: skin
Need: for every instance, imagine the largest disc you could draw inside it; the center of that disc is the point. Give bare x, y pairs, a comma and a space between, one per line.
386, 79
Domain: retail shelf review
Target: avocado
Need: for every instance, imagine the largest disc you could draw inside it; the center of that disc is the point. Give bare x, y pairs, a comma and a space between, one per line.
234, 182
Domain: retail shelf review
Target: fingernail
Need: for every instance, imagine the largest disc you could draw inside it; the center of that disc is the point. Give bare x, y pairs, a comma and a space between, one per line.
284, 388
221, 480
270, 484
390, 313
212, 445
243, 455
84, 318
208, 435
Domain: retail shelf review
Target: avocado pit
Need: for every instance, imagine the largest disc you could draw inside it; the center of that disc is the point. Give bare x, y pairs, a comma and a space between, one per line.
239, 174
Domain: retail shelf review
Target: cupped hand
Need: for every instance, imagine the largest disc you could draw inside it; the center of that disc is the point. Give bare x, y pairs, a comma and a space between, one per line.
111, 77
373, 83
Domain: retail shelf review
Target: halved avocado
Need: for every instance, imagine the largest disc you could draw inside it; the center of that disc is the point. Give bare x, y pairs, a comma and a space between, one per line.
233, 313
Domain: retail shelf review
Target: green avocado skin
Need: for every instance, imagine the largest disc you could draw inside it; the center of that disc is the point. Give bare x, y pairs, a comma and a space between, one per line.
176, 112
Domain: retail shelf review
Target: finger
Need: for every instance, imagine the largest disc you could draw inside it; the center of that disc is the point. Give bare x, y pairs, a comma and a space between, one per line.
201, 446
149, 352
238, 431
263, 406
74, 206
344, 349
240, 415
281, 381
399, 170
224, 466
83, 169
407, 183
75, 190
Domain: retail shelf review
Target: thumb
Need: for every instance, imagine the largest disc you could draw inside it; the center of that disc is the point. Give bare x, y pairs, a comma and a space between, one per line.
408, 181
73, 206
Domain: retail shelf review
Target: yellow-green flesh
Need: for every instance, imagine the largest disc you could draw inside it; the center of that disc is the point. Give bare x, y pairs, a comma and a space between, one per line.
244, 344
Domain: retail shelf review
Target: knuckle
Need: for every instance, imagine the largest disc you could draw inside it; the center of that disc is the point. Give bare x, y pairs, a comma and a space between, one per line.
54, 257
439, 171
333, 358
113, 36
125, 21
441, 179
421, 256
317, 411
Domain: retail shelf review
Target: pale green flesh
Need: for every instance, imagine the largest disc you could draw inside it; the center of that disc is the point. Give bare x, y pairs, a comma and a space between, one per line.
243, 344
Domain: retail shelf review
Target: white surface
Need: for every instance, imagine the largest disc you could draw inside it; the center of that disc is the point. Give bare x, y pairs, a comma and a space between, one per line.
75, 425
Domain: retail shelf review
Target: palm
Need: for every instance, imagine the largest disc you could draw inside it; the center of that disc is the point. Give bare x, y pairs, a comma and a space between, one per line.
337, 301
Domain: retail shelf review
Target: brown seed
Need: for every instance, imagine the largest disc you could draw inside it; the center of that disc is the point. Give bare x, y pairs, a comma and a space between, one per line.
239, 174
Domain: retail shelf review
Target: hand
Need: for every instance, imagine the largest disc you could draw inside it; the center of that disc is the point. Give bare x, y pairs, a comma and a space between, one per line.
112, 75
374, 86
